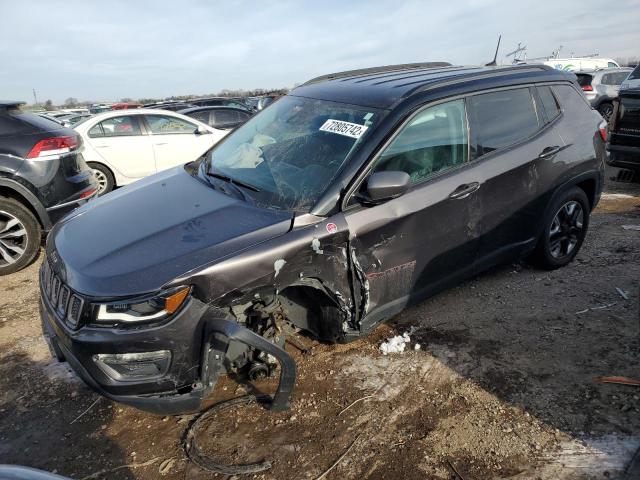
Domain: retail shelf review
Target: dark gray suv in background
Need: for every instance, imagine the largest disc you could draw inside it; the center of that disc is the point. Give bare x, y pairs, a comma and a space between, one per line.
330, 211
42, 177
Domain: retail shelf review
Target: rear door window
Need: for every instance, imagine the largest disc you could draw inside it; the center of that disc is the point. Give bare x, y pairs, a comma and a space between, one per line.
202, 116
620, 77
226, 117
165, 125
549, 103
123, 126
501, 119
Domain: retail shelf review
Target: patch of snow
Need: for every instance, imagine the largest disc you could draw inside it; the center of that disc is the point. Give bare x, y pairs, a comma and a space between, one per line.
278, 264
395, 344
61, 371
315, 244
616, 195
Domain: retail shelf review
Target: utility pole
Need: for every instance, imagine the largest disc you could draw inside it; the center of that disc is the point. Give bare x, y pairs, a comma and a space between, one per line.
35, 98
516, 53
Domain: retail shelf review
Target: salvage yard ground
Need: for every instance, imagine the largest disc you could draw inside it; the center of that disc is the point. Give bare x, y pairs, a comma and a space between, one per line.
502, 386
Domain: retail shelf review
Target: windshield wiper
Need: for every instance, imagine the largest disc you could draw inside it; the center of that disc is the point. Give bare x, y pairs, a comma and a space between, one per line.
233, 181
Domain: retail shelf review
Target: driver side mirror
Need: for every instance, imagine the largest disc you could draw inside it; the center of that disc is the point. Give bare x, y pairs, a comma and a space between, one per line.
201, 130
383, 186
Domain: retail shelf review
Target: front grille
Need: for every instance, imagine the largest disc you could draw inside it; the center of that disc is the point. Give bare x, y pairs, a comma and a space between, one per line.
67, 305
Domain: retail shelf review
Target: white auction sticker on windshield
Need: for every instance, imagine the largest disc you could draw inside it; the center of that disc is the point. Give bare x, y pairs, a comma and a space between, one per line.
347, 129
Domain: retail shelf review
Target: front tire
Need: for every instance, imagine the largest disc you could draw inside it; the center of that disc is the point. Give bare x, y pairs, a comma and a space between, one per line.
20, 236
104, 177
565, 228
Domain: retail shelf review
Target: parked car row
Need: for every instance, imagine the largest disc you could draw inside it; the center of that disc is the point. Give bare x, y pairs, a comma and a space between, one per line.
124, 146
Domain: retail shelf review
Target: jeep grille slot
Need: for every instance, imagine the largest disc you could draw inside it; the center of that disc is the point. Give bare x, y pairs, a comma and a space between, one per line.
67, 305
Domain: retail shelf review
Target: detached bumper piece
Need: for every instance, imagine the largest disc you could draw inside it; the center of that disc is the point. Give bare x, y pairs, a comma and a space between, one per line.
144, 379
221, 331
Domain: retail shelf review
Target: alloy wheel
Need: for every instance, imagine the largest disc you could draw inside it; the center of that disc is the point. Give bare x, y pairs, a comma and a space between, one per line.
13, 239
102, 181
566, 229
606, 111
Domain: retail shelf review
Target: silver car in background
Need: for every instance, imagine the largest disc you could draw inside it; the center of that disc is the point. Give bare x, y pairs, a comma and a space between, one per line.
601, 87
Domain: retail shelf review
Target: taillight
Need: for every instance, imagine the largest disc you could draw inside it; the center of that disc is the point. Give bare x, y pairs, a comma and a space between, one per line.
53, 146
587, 88
602, 128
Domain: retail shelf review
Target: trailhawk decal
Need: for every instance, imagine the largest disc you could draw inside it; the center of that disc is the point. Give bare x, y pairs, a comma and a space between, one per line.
347, 129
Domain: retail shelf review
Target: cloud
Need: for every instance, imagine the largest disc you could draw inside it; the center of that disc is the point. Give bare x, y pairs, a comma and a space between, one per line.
98, 51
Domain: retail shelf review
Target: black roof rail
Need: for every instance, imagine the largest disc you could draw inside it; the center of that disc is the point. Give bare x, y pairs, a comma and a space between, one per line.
489, 72
372, 70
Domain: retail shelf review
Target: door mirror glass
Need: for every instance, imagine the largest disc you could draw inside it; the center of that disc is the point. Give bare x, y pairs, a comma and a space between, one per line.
383, 186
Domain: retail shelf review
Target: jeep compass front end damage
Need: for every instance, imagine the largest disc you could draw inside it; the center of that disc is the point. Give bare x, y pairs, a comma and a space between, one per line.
328, 212
206, 269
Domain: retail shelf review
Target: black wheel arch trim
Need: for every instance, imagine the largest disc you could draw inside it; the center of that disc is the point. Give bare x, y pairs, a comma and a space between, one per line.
34, 202
566, 186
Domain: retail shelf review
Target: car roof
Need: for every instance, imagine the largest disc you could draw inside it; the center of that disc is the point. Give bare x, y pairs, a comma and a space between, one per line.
212, 107
6, 104
592, 71
98, 117
384, 87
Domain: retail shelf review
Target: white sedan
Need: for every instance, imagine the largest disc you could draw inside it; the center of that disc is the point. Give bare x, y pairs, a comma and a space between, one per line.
126, 145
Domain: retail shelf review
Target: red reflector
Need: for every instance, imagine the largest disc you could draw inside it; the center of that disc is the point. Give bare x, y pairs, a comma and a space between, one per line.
603, 133
602, 128
587, 88
53, 143
88, 193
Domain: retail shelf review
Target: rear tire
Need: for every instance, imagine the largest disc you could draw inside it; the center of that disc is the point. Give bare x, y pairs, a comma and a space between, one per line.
20, 236
565, 228
104, 176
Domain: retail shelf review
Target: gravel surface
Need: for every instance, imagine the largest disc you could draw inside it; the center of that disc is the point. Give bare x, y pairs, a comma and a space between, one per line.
503, 386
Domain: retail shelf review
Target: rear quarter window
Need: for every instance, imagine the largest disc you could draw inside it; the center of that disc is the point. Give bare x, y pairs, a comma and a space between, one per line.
501, 119
584, 79
549, 103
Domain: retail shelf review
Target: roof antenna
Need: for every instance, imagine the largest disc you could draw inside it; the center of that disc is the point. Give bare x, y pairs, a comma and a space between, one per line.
495, 57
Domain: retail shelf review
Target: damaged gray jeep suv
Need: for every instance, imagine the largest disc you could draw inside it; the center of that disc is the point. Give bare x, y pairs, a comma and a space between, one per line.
329, 212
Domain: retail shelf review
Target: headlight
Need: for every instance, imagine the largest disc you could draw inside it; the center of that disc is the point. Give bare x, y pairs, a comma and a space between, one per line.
144, 309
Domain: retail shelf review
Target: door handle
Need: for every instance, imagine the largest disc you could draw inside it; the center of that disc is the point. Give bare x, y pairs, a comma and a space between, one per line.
102, 146
463, 191
161, 143
549, 152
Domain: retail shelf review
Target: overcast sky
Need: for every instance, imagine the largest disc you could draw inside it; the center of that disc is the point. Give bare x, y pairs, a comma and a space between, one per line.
109, 49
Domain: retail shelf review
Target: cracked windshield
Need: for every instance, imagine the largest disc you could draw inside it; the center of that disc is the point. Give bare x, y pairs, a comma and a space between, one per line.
287, 155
